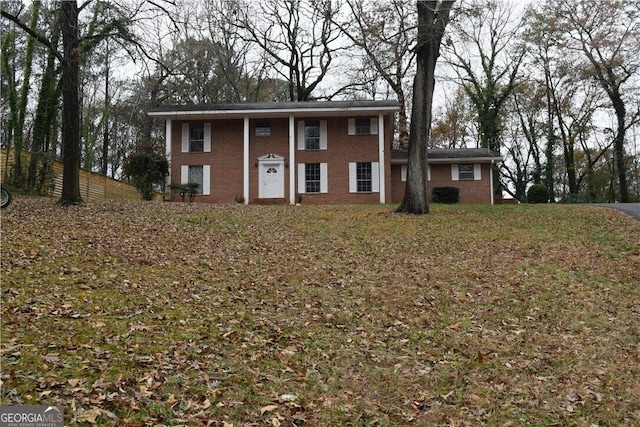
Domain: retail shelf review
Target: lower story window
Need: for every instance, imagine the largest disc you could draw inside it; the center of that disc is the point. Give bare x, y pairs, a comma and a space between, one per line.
196, 176
363, 177
199, 175
312, 177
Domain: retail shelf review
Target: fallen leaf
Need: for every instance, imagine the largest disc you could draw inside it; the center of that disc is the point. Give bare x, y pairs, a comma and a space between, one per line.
268, 408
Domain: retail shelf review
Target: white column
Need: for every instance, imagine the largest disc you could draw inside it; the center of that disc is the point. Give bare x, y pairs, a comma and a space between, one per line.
292, 160
167, 139
245, 167
382, 162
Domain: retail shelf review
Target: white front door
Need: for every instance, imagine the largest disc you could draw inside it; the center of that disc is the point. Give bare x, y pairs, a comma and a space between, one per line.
271, 180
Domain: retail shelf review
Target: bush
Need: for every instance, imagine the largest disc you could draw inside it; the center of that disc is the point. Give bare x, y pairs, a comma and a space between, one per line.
448, 195
538, 193
147, 168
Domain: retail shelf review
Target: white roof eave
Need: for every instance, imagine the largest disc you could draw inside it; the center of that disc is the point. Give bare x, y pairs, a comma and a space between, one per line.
261, 113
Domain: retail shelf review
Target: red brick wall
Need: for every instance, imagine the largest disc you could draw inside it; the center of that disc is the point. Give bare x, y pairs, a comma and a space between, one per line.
226, 159
470, 191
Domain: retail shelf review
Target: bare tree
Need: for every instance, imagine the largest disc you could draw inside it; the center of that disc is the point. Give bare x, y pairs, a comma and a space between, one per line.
298, 37
433, 17
486, 57
385, 33
607, 33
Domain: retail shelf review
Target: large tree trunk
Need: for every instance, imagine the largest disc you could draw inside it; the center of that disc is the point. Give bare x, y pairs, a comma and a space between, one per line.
70, 105
433, 17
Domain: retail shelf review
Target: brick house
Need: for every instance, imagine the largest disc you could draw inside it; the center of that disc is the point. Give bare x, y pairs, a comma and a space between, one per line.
323, 152
468, 169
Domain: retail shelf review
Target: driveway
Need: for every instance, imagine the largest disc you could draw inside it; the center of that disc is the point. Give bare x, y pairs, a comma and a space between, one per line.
632, 209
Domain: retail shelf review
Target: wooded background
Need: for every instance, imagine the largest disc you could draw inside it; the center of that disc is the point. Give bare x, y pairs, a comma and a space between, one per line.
552, 86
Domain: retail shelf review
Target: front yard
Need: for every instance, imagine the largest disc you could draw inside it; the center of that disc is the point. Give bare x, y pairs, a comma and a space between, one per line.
172, 314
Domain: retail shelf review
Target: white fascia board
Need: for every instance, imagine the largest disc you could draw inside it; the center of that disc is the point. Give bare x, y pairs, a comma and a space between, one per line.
274, 112
466, 160
453, 160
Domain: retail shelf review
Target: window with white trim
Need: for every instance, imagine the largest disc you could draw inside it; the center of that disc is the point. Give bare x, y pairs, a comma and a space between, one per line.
312, 135
364, 177
466, 172
197, 174
196, 137
263, 129
312, 178
363, 126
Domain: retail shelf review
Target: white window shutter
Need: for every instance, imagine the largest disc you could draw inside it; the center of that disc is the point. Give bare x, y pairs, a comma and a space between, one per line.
184, 174
455, 172
375, 177
353, 181
323, 134
324, 181
301, 142
374, 126
352, 127
185, 137
477, 172
302, 181
207, 137
403, 173
206, 180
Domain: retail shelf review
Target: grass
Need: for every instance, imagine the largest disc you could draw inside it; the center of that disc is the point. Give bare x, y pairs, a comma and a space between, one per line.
172, 314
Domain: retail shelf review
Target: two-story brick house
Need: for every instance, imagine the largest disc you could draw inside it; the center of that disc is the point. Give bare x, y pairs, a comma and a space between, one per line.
323, 152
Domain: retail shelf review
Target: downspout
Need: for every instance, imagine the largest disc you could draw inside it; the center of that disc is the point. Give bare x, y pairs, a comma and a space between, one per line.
245, 176
381, 162
168, 141
491, 180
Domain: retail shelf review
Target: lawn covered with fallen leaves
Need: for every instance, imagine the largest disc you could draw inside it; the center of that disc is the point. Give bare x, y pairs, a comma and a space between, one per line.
135, 314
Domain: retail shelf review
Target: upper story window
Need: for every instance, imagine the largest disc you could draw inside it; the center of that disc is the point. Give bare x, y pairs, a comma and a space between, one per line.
263, 129
363, 126
196, 137
312, 135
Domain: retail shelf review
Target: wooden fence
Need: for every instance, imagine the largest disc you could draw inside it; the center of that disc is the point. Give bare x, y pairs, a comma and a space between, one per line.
93, 186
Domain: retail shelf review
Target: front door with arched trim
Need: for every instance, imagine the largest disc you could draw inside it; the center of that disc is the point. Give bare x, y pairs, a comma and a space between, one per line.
271, 177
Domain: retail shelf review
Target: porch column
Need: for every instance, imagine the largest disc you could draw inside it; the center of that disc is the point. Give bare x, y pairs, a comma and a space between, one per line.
292, 160
381, 157
245, 168
167, 139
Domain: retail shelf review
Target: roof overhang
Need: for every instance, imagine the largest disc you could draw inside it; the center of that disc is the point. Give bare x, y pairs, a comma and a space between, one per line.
450, 156
275, 110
